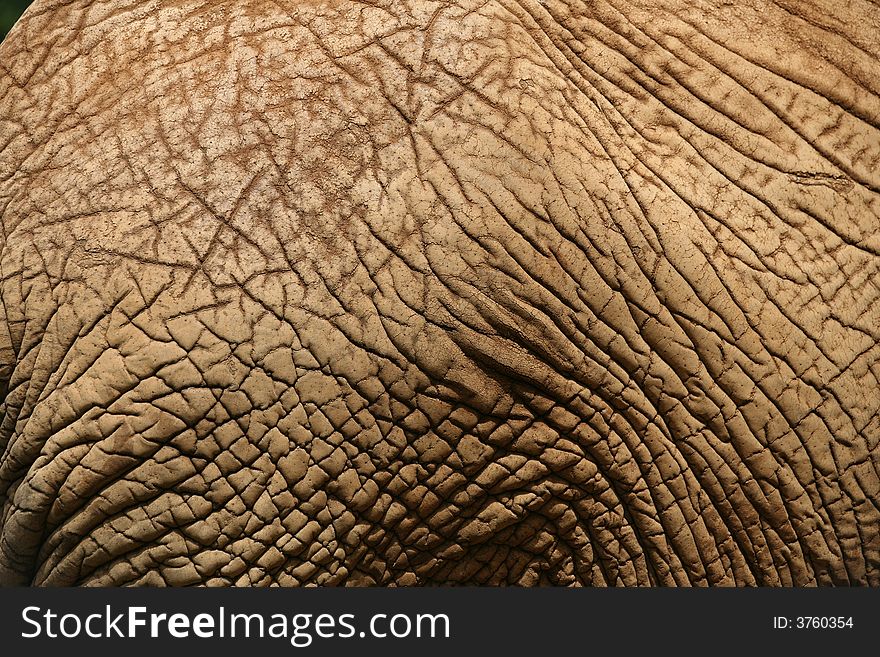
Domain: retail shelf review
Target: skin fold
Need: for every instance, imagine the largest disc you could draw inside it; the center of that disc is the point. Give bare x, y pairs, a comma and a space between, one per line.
408, 293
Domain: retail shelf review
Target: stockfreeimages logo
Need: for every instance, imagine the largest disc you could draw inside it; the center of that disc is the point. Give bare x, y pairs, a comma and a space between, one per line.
300, 629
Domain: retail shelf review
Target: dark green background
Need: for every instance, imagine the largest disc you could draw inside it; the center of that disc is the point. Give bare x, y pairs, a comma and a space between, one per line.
10, 10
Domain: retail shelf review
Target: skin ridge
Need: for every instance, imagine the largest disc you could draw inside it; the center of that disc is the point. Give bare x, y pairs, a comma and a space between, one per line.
366, 293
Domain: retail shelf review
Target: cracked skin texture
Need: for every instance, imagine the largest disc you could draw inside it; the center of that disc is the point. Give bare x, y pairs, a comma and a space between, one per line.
496, 292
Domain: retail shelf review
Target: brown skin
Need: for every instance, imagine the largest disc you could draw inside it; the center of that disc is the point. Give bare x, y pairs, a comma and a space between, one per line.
441, 292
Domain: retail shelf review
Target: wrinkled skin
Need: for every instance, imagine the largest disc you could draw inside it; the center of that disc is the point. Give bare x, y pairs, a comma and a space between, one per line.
522, 292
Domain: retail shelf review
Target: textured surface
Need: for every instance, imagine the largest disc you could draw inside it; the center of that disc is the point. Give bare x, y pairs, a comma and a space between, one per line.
534, 292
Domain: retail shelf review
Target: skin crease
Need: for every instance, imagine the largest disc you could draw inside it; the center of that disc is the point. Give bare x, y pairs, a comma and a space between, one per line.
505, 292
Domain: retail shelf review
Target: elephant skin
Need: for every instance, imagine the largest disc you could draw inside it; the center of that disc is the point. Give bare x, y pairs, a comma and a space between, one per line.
440, 292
